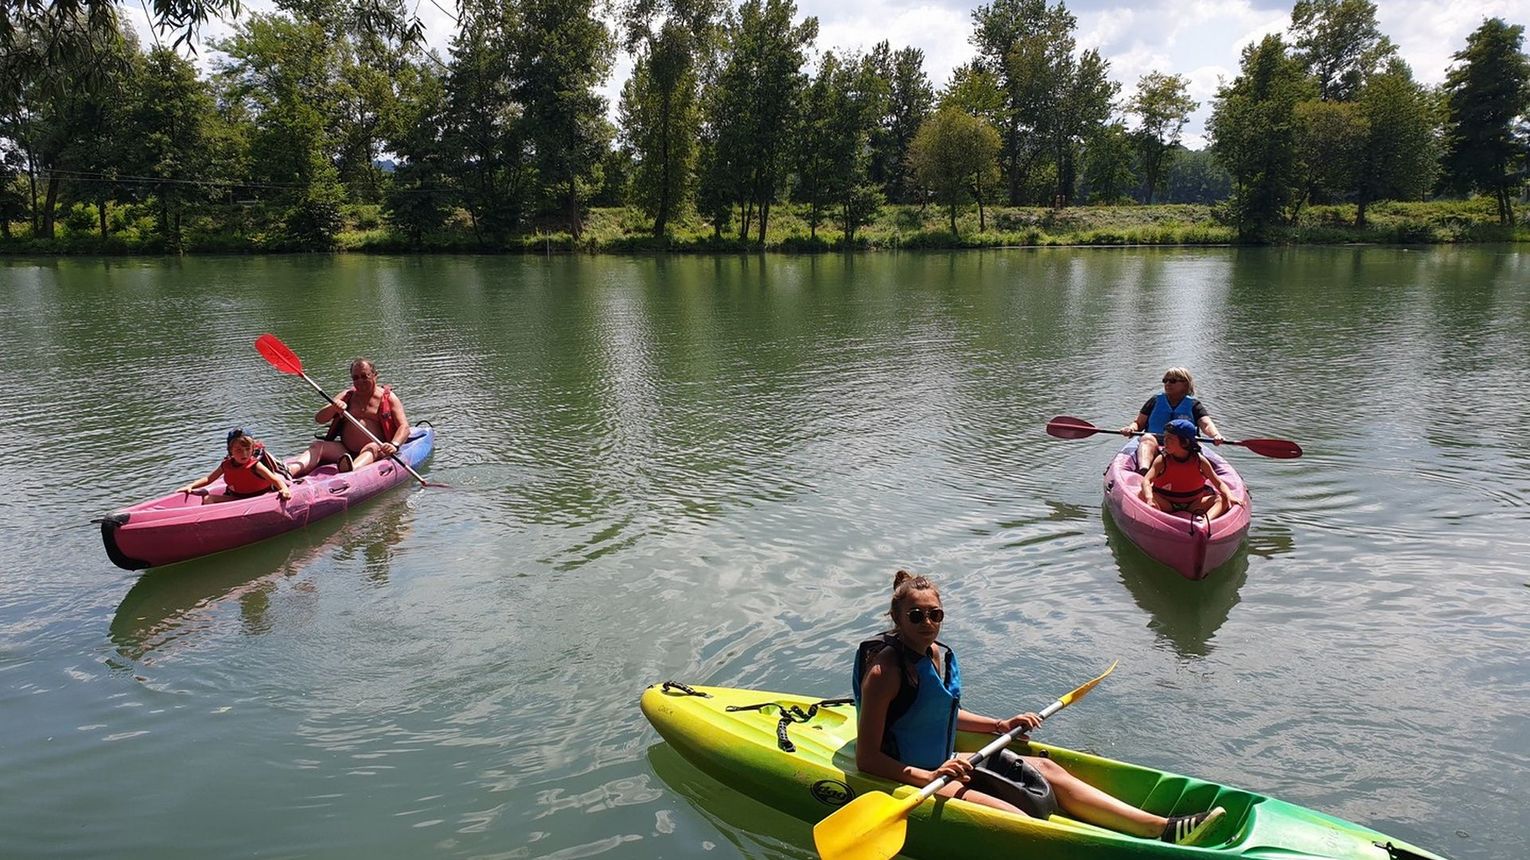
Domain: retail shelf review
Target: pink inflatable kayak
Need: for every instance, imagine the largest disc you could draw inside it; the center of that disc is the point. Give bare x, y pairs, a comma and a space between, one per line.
1193, 547
178, 527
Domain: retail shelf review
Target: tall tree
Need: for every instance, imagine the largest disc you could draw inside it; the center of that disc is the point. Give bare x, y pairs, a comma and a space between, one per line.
762, 81
671, 40
1487, 93
1028, 47
1253, 129
1082, 110
910, 98
172, 118
1400, 158
283, 70
420, 196
483, 145
954, 155
1339, 43
1162, 105
562, 53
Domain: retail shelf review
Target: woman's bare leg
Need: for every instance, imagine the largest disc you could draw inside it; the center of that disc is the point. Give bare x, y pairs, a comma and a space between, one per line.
1087, 803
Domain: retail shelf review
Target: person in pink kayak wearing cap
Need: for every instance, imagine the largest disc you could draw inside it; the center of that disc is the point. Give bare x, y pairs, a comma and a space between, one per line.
1180, 478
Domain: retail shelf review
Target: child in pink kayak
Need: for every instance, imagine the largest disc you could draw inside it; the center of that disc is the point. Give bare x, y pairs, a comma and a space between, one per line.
247, 471
1180, 478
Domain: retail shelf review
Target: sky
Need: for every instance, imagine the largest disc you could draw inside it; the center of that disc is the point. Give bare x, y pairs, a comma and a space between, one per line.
1199, 39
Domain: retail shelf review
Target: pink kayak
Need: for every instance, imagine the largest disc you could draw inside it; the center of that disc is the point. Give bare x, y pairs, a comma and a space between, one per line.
1191, 546
178, 527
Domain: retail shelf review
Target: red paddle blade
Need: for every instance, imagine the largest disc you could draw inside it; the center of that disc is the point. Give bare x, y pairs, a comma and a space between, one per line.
1280, 449
1068, 427
279, 355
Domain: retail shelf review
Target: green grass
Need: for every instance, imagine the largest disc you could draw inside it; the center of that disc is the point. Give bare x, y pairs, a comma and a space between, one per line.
253, 228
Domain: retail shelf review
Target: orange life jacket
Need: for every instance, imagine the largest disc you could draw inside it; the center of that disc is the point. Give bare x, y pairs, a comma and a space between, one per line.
1180, 478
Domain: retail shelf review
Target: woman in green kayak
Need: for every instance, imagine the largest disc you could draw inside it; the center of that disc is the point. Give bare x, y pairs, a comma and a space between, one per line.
908, 691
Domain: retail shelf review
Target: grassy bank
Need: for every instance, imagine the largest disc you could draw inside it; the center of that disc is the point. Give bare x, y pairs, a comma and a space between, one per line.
251, 229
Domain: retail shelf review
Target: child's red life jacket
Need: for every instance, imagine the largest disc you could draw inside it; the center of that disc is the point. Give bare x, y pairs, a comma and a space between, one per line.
384, 414
1181, 478
242, 480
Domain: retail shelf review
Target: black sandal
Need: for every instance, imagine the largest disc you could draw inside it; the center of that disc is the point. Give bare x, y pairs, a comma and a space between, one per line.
1191, 829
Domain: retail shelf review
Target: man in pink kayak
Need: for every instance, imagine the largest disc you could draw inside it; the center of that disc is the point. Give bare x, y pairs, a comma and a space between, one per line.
376, 407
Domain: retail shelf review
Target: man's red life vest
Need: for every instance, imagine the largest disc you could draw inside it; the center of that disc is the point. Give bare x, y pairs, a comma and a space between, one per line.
384, 414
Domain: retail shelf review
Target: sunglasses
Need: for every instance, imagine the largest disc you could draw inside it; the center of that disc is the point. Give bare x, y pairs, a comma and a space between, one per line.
918, 614
1169, 379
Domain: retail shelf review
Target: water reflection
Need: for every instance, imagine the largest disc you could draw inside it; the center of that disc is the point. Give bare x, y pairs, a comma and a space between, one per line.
751, 827
172, 606
1186, 615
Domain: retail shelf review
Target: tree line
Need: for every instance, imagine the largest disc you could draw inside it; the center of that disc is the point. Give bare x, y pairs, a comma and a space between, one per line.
724, 116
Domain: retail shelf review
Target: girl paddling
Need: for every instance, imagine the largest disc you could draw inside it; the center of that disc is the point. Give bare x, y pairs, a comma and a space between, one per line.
908, 691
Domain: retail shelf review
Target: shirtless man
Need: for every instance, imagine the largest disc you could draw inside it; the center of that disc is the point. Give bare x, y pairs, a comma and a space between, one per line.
375, 406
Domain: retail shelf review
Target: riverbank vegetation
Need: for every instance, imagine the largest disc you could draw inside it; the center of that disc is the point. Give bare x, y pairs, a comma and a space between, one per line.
325, 125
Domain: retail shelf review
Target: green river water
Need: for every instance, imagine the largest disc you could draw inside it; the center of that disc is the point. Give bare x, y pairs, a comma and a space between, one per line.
707, 470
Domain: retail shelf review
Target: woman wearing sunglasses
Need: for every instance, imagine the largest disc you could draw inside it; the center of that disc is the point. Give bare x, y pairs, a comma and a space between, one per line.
908, 692
1177, 400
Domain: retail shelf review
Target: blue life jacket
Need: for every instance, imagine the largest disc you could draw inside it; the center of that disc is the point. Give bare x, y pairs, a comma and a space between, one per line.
1163, 413
921, 720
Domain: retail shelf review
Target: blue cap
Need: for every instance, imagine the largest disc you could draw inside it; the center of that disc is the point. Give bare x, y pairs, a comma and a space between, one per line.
1183, 429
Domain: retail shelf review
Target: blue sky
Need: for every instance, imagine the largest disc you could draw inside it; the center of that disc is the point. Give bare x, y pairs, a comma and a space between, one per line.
1200, 39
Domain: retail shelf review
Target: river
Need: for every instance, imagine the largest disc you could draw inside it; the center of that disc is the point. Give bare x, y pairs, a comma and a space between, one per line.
707, 470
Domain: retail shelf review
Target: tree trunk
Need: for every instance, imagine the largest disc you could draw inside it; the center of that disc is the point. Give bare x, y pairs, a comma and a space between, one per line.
953, 220
764, 218
32, 185
982, 218
574, 224
661, 218
49, 205
101, 209
1360, 203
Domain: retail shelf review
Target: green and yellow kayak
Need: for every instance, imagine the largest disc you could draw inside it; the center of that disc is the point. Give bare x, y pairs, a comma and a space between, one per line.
797, 754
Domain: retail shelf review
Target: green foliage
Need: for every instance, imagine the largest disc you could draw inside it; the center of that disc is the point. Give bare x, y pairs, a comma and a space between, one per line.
953, 156
1330, 144
1487, 93
1400, 158
909, 99
562, 51
1108, 175
1196, 176
1339, 43
1163, 105
1254, 131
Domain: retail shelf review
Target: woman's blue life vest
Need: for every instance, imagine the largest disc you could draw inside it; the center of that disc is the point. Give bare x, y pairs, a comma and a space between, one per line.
921, 720
1163, 413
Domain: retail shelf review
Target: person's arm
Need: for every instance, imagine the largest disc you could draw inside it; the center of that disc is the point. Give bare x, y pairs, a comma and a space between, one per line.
877, 691
402, 433
274, 480
1146, 490
199, 483
1137, 424
1208, 426
1209, 472
967, 721
332, 411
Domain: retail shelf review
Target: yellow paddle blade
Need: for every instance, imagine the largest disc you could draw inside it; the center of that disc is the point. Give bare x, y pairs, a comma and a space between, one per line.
1083, 690
871, 827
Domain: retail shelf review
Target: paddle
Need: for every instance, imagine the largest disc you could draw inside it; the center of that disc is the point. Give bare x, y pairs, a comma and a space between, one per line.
873, 826
286, 361
1068, 427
